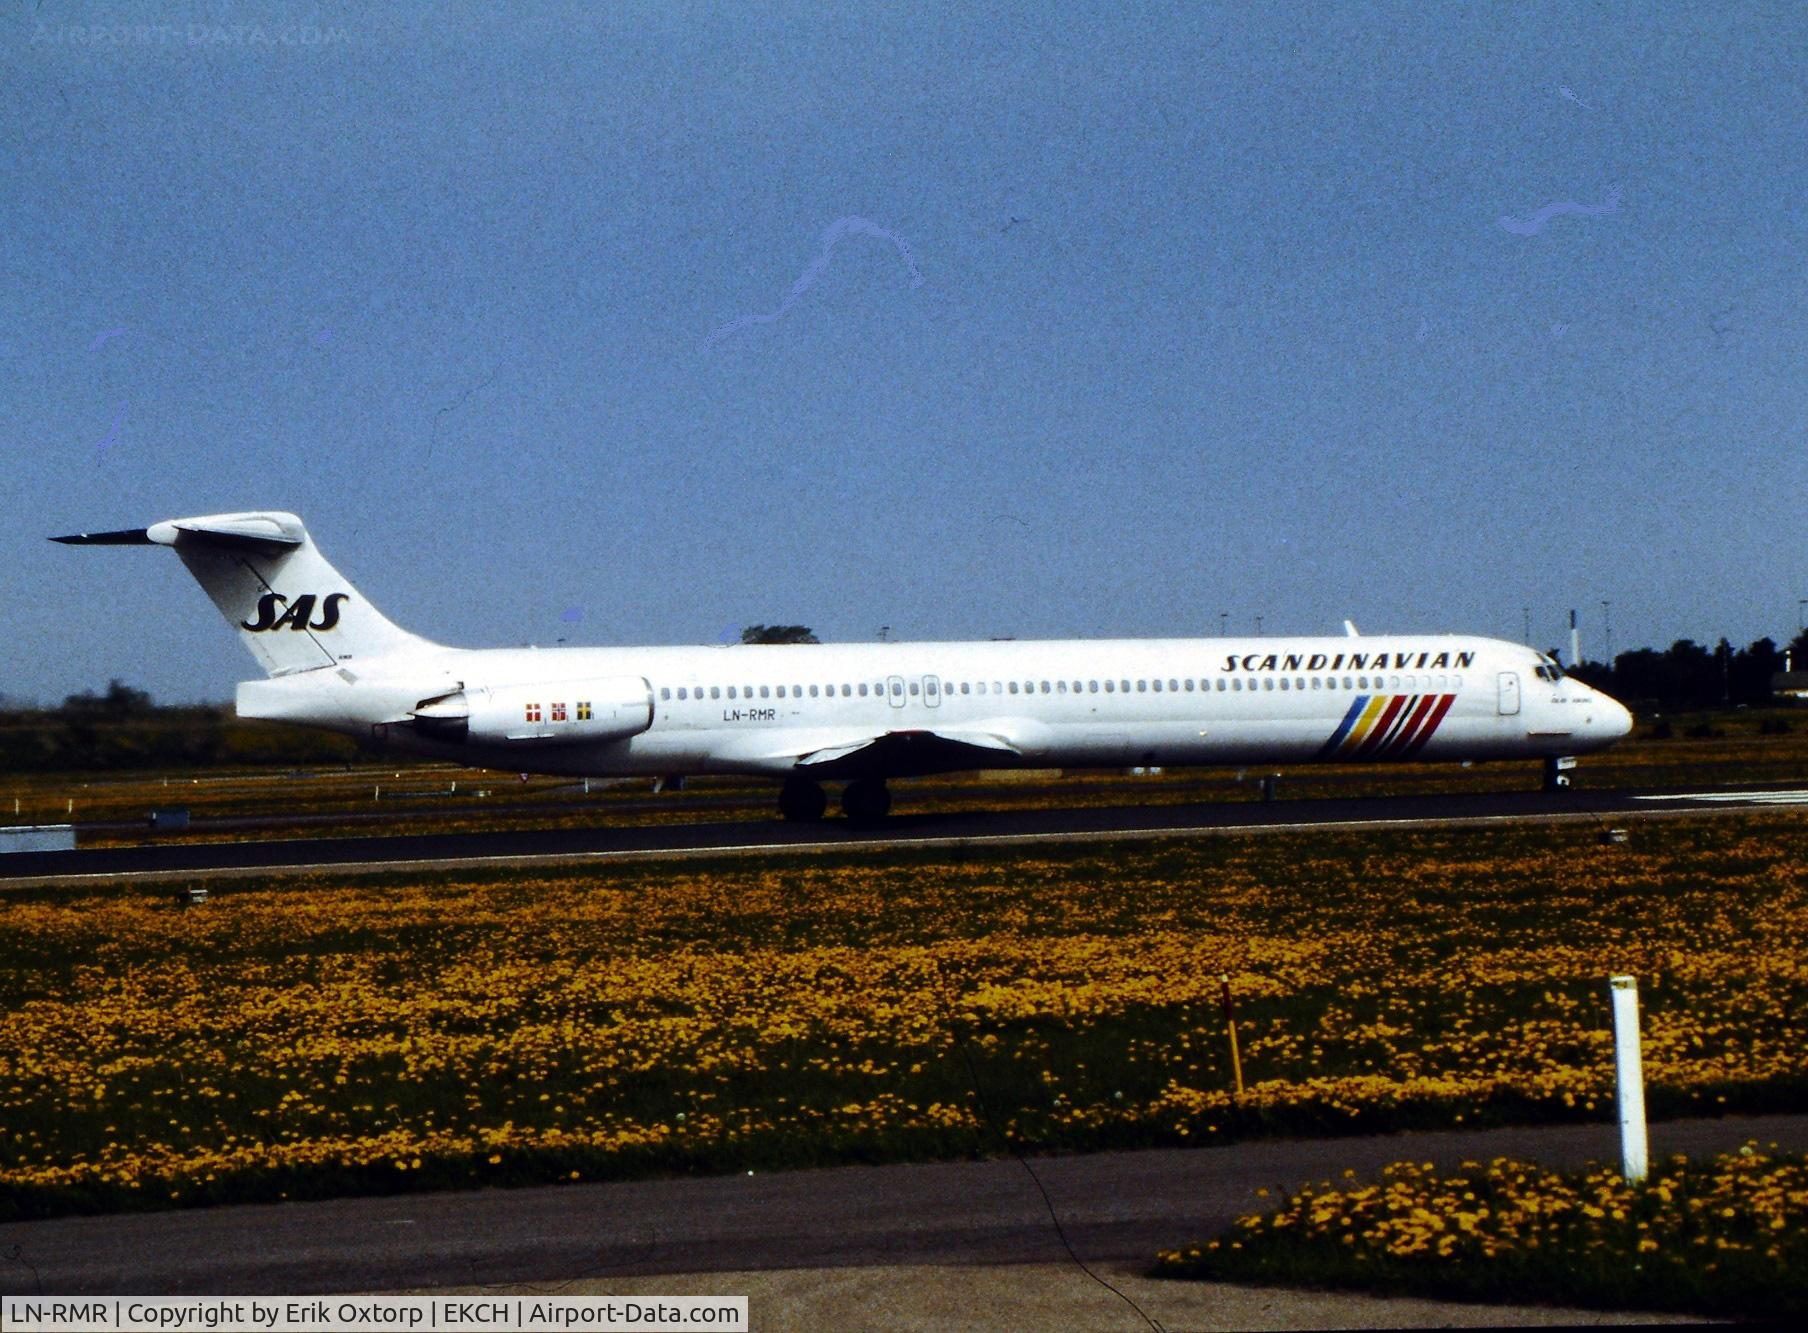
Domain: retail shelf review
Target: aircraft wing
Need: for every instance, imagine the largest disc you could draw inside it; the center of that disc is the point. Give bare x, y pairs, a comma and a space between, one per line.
844, 752
911, 752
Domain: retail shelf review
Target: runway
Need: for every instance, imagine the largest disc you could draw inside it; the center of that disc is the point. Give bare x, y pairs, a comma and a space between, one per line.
942, 830
1111, 1208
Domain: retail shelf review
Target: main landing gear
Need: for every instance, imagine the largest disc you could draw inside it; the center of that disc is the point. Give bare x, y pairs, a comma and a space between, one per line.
802, 799
864, 801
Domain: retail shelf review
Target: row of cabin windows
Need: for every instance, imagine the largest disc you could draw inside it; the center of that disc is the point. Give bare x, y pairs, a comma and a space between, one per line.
1221, 685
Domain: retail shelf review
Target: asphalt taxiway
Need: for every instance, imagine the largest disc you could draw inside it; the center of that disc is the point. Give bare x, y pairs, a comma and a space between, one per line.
940, 830
1097, 1209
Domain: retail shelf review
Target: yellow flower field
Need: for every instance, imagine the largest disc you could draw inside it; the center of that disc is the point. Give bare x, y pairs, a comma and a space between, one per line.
1726, 1236
341, 1034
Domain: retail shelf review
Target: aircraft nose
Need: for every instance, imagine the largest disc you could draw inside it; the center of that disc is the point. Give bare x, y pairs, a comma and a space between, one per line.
1616, 718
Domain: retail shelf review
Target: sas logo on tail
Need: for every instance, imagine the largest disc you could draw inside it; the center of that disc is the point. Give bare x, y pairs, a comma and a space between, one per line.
297, 615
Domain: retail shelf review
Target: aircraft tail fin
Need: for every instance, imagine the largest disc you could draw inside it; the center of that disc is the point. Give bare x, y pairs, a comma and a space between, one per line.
292, 609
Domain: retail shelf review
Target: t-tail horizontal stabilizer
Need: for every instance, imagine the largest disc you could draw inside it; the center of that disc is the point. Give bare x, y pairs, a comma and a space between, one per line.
124, 537
293, 610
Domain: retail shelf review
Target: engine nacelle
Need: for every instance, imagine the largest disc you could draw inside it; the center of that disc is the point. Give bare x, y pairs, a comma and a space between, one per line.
567, 712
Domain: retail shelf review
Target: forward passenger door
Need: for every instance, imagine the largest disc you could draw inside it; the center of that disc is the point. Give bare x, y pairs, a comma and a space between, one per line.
1509, 693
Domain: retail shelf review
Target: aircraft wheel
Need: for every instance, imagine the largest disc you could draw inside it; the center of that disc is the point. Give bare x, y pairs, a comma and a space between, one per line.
802, 799
867, 800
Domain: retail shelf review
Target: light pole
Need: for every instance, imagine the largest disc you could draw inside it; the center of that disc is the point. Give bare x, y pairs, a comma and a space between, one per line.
1224, 624
1607, 623
1528, 626
1258, 627
1800, 602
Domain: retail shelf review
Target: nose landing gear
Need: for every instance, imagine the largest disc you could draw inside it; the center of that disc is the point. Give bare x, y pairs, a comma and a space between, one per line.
1556, 772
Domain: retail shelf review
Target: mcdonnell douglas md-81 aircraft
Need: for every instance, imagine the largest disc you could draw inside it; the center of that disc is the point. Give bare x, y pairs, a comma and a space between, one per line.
863, 713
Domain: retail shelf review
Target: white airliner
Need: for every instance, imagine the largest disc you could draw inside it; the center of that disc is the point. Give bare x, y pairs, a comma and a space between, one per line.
863, 713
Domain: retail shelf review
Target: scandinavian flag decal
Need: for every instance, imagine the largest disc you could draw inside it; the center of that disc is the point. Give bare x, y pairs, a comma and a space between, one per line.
1387, 726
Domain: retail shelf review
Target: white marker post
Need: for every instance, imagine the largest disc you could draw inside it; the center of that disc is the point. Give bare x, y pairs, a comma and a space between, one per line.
1630, 1074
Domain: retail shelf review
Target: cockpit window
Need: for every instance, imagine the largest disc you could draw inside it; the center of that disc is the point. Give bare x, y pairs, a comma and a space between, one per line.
1548, 670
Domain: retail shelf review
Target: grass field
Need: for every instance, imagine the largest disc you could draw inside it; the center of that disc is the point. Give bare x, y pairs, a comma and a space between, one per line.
327, 1034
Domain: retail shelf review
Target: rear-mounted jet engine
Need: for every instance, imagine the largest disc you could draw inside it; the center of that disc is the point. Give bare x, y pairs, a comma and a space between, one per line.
562, 713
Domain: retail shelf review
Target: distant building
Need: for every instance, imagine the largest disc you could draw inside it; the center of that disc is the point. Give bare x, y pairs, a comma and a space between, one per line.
1789, 685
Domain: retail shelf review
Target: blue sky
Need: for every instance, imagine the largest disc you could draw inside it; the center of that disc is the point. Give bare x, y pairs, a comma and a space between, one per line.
1416, 315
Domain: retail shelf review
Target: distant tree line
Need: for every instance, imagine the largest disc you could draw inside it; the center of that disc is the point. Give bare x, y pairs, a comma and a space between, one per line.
779, 634
124, 729
1688, 675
